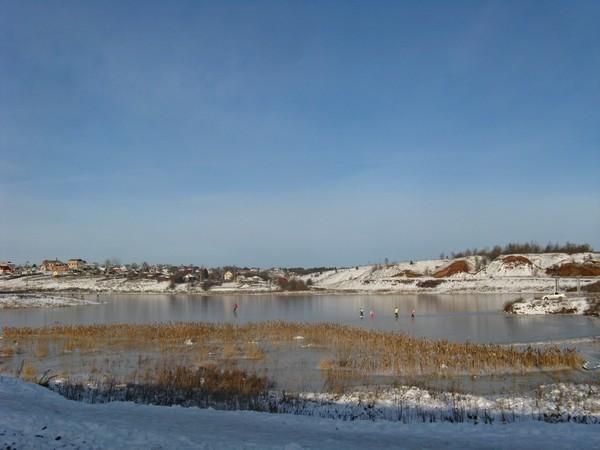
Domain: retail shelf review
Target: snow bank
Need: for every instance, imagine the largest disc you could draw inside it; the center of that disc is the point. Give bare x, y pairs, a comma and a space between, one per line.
36, 418
40, 300
575, 305
556, 403
407, 404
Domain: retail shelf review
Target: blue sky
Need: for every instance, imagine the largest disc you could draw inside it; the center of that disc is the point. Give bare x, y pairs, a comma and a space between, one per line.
296, 133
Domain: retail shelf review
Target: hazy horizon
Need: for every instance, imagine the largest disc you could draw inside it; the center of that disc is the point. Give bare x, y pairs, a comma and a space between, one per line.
296, 133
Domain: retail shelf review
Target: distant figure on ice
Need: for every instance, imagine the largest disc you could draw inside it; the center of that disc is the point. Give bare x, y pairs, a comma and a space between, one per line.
235, 308
412, 314
362, 313
396, 312
372, 314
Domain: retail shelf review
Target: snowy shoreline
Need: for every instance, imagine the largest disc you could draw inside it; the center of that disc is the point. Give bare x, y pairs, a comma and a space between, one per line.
453, 285
562, 402
540, 306
32, 300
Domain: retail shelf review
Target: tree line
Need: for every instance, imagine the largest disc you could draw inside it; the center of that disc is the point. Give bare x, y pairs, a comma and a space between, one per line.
527, 247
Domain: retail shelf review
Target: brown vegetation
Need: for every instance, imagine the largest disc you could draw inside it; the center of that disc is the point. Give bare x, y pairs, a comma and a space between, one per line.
349, 349
211, 380
293, 284
429, 283
591, 269
175, 385
516, 260
408, 274
455, 267
509, 307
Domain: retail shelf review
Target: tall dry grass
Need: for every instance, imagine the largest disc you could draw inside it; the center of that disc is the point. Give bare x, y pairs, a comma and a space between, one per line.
211, 380
350, 348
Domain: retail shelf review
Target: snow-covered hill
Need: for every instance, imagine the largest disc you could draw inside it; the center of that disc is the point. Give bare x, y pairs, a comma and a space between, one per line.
528, 273
507, 273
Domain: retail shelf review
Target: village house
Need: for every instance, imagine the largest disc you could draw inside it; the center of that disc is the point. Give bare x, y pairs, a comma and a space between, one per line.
6, 268
54, 266
228, 276
188, 277
76, 264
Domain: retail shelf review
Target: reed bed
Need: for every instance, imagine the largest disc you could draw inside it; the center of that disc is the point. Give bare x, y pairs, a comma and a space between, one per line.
176, 385
211, 380
350, 349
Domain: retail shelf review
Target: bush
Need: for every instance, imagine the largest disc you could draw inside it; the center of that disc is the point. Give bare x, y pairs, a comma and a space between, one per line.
207, 284
293, 284
509, 306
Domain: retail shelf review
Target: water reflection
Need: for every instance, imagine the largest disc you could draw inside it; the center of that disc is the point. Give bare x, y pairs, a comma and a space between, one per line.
471, 317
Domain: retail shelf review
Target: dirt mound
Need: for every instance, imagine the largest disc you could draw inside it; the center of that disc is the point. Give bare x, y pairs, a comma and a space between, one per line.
454, 268
516, 260
408, 274
575, 270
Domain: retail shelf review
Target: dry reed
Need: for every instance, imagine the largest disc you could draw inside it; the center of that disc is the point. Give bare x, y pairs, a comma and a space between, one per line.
352, 348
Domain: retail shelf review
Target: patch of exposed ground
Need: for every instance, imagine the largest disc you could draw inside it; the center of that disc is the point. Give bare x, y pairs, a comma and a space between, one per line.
460, 266
408, 274
590, 269
516, 260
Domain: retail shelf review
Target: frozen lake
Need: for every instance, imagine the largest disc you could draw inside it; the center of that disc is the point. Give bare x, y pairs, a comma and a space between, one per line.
472, 317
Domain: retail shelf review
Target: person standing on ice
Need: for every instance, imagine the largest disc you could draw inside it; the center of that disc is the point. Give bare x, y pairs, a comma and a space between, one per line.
362, 313
412, 314
372, 314
396, 312
235, 308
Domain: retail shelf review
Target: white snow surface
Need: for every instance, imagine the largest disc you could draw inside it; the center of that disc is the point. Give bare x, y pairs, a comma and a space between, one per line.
578, 305
40, 301
33, 417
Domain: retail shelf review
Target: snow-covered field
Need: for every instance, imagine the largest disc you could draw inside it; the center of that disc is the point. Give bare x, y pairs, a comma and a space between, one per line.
40, 300
33, 417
